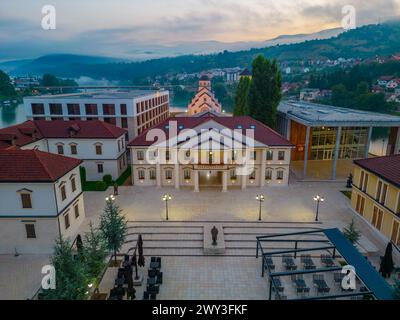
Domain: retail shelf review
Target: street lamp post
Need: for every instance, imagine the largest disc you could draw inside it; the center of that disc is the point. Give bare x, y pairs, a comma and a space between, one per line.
261, 199
166, 198
318, 199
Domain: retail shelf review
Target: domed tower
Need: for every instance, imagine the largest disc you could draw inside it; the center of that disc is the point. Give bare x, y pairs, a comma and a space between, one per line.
204, 82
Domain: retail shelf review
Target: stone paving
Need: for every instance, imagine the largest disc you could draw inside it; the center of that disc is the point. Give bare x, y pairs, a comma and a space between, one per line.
204, 277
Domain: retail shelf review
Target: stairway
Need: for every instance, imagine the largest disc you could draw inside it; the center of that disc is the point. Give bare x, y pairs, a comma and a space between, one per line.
178, 238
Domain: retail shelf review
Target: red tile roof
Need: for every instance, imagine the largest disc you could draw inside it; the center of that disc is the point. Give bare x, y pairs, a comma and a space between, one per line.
34, 166
262, 134
31, 131
83, 129
387, 168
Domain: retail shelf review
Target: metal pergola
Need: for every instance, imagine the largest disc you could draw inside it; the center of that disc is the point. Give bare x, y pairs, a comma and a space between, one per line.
334, 243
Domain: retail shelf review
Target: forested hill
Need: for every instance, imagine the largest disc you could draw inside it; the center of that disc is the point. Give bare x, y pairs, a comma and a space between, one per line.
364, 42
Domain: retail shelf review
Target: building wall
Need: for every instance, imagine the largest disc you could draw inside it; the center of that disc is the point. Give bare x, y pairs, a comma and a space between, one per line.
298, 138
113, 152
157, 109
391, 208
146, 167
47, 214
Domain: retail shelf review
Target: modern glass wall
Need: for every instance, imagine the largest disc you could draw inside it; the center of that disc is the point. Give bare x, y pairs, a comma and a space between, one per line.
353, 142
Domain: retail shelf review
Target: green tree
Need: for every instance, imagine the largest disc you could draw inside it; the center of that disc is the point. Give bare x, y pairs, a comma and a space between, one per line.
6, 88
71, 274
94, 253
265, 91
351, 233
340, 95
50, 80
113, 226
242, 96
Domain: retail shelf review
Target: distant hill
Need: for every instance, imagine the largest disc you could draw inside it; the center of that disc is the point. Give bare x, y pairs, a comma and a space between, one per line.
364, 42
54, 62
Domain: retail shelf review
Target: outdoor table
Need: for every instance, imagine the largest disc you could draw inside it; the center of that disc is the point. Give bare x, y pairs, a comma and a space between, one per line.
300, 283
151, 281
119, 281
154, 265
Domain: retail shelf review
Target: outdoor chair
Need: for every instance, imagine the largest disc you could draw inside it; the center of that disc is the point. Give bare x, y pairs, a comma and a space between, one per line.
145, 295
159, 278
338, 277
153, 288
152, 273
270, 263
159, 261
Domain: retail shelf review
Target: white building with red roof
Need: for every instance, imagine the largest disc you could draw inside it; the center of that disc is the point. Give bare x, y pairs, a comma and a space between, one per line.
204, 100
101, 146
41, 199
210, 151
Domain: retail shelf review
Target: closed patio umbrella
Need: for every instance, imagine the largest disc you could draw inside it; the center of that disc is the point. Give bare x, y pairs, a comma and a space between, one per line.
387, 265
141, 260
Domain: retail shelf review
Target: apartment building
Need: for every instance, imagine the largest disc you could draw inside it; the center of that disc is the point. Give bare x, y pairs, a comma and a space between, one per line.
376, 194
134, 111
101, 146
41, 199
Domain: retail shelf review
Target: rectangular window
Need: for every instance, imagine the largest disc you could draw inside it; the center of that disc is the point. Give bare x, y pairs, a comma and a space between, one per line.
76, 211
168, 174
73, 184
140, 155
66, 221
167, 155
253, 175
187, 174
381, 192
152, 174
124, 123
55, 108
395, 237
398, 204
37, 108
141, 174
30, 231
109, 109
100, 168
123, 109
112, 121
63, 193
279, 175
253, 155
26, 200
268, 174
60, 149
377, 218
361, 180
270, 155
99, 149
281, 155
91, 109
365, 185
74, 149
360, 204
73, 108
233, 174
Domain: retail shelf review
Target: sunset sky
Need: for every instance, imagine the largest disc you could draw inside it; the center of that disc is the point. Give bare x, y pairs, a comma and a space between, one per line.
90, 24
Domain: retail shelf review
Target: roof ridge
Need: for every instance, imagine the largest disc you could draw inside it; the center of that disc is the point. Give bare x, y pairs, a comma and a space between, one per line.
36, 153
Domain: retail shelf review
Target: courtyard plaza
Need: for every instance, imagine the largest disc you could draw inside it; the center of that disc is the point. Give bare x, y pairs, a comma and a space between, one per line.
188, 272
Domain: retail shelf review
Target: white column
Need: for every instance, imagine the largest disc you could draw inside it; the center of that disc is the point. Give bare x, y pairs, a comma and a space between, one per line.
196, 181
177, 178
336, 154
368, 142
244, 182
262, 173
224, 181
306, 152
158, 174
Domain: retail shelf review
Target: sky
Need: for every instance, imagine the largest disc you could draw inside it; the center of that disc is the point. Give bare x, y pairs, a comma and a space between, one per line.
131, 28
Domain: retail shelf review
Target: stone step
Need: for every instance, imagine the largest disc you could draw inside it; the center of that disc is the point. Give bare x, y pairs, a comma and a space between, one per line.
176, 244
166, 237
165, 230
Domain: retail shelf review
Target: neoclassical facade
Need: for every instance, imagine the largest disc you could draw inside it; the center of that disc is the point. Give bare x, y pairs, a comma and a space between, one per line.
204, 100
199, 154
